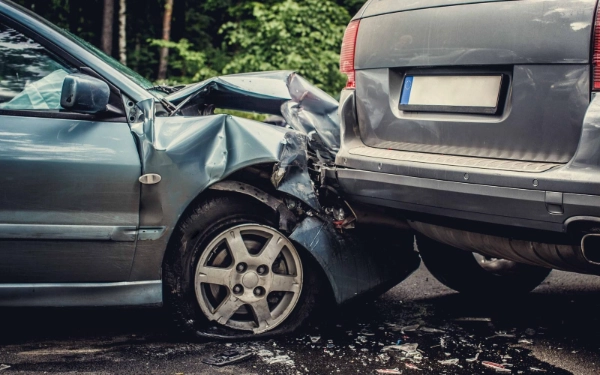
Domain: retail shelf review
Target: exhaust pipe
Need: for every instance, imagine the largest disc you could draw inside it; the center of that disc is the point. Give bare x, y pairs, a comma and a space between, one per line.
590, 247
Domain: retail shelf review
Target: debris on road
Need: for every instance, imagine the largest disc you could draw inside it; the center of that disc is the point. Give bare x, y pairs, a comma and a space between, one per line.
411, 328
496, 366
407, 348
525, 342
448, 362
411, 366
389, 371
431, 330
4, 367
228, 357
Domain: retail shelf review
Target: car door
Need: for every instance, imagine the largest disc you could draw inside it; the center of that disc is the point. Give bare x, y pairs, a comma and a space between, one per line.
69, 190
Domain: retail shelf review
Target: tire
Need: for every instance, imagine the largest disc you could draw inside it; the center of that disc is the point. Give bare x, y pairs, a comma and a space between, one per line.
463, 272
249, 302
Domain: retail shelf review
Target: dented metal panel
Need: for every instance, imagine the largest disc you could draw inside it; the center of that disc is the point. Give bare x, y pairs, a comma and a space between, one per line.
192, 149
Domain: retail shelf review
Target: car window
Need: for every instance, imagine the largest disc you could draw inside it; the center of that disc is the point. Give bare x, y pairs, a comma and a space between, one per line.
30, 77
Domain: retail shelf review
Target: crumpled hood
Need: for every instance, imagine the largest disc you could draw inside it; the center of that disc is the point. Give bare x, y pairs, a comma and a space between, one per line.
305, 107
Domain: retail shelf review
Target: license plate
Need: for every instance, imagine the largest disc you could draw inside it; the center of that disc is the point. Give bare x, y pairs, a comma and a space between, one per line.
460, 94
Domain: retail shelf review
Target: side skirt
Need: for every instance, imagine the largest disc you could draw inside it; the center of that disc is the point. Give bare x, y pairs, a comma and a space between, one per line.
138, 293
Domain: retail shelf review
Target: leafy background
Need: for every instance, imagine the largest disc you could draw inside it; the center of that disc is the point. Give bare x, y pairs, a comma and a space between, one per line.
213, 37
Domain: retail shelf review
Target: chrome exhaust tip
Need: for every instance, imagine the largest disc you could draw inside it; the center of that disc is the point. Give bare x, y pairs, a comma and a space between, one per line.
590, 247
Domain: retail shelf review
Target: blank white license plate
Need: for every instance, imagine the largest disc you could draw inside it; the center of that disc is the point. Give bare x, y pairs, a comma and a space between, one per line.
470, 94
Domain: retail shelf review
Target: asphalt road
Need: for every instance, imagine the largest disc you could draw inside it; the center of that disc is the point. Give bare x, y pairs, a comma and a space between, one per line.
554, 330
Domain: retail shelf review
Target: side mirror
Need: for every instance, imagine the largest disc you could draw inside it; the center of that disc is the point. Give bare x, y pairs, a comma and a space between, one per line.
84, 94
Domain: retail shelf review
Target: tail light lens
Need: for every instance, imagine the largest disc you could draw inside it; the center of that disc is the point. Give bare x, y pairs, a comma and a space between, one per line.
347, 54
596, 55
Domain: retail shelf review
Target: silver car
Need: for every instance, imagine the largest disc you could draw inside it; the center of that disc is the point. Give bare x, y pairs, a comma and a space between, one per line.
476, 125
114, 192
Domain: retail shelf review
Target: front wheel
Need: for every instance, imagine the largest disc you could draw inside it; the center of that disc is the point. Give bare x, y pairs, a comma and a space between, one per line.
472, 273
234, 275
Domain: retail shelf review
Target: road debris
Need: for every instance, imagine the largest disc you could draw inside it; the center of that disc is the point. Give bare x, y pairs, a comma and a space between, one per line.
411, 328
525, 342
408, 348
411, 366
535, 369
431, 330
496, 366
448, 362
4, 367
315, 339
229, 357
389, 371
474, 359
280, 359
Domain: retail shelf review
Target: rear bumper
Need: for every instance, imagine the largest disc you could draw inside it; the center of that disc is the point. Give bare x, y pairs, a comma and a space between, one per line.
535, 209
546, 199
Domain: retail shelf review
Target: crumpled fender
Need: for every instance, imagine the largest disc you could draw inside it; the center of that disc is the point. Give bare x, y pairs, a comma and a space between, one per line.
192, 153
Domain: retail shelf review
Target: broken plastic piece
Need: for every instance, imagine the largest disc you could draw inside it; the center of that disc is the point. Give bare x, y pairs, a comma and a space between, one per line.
412, 367
280, 359
448, 362
389, 371
228, 358
408, 348
431, 330
496, 366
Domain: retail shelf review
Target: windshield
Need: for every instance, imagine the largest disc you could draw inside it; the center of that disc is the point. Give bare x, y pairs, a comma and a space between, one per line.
135, 77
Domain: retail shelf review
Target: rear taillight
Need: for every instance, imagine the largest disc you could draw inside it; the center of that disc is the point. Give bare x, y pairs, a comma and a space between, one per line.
596, 55
347, 54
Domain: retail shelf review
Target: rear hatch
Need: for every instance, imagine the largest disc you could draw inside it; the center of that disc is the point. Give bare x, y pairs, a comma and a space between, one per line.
490, 79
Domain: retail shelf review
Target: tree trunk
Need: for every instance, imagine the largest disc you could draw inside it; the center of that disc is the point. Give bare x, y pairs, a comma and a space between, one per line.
164, 51
122, 34
107, 26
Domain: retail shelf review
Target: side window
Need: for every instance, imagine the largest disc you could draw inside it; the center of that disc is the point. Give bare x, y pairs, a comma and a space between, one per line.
30, 77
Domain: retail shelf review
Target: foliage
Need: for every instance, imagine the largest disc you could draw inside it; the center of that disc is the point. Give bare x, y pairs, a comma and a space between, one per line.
220, 36
193, 65
301, 35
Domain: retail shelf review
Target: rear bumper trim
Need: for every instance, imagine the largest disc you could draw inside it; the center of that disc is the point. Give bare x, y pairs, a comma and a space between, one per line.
492, 204
457, 161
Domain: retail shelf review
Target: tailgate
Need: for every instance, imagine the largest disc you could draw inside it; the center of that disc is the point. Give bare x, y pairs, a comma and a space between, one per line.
534, 56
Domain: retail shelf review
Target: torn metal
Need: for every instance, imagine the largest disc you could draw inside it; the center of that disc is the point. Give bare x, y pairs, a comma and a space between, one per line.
192, 149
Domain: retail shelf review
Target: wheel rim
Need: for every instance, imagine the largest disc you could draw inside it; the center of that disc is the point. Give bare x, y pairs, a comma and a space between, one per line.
249, 278
497, 266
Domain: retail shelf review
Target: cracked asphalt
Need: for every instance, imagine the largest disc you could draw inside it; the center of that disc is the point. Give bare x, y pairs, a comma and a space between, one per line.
554, 330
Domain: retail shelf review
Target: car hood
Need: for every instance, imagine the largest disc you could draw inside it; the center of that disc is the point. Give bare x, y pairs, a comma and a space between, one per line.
303, 106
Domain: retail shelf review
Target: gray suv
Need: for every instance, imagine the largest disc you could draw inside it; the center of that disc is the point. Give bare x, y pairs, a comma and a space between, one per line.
477, 124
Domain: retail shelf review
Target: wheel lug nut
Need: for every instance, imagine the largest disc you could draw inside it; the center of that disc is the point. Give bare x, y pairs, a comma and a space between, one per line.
242, 267
259, 291
238, 289
262, 270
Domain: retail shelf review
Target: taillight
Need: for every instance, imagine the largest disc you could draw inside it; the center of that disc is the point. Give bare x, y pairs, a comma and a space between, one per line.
347, 54
596, 55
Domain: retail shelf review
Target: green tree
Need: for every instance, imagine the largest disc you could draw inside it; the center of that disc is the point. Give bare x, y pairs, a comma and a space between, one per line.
300, 35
